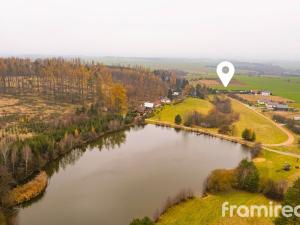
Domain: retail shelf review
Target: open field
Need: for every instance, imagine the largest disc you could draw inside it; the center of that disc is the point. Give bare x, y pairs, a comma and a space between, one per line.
31, 105
270, 165
169, 112
284, 86
14, 109
266, 130
202, 211
254, 98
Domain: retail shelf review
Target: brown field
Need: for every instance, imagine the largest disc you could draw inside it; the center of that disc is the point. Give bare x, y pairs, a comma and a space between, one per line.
254, 98
216, 82
30, 105
14, 108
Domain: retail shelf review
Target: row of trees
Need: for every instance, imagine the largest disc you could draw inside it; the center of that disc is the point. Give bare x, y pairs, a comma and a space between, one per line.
244, 177
74, 81
291, 124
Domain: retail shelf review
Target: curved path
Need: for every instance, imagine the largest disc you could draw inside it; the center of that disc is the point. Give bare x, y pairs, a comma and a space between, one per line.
283, 153
291, 137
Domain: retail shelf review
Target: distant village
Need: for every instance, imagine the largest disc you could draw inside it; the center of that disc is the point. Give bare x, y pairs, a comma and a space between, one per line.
263, 101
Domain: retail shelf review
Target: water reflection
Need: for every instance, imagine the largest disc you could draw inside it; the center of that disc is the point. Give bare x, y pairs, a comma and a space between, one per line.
109, 141
124, 175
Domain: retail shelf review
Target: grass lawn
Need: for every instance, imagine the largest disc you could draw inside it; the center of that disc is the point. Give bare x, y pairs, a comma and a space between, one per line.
288, 87
207, 211
266, 131
270, 165
169, 112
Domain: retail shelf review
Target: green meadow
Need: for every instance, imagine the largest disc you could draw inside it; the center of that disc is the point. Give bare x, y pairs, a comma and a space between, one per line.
266, 131
208, 210
287, 87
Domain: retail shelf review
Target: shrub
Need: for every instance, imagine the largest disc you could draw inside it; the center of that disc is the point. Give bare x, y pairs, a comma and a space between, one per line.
227, 129
220, 180
256, 150
249, 135
144, 221
275, 189
31, 189
194, 118
247, 176
178, 119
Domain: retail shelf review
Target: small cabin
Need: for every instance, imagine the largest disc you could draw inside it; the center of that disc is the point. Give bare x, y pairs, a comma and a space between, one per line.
149, 105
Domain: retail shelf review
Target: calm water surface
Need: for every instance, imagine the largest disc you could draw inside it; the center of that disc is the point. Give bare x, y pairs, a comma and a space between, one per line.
125, 175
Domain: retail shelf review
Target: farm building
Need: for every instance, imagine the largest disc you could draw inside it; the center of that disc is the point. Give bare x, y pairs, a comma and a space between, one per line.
297, 118
149, 105
265, 93
273, 105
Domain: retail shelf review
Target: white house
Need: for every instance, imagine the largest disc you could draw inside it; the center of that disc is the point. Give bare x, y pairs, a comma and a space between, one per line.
297, 118
265, 93
175, 93
149, 105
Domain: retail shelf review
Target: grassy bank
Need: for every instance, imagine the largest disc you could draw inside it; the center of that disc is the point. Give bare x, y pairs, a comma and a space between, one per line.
208, 210
168, 113
30, 190
266, 131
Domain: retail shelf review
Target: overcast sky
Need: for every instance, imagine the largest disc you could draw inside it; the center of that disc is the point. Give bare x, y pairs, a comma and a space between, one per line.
254, 29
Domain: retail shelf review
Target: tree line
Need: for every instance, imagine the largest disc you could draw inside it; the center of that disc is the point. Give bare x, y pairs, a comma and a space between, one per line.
75, 81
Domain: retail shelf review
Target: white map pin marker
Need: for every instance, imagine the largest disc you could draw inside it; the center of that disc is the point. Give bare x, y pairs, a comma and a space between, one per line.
225, 77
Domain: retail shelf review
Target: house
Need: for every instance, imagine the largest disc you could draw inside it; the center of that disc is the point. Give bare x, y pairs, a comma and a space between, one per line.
297, 118
175, 93
265, 93
149, 105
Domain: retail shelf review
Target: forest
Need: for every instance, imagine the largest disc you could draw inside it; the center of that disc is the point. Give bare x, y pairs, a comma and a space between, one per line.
75, 81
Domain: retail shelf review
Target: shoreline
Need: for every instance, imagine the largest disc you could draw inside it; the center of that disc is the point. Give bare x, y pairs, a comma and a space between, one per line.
200, 131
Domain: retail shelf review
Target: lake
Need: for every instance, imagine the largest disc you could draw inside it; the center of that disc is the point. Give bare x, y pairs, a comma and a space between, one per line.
126, 175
